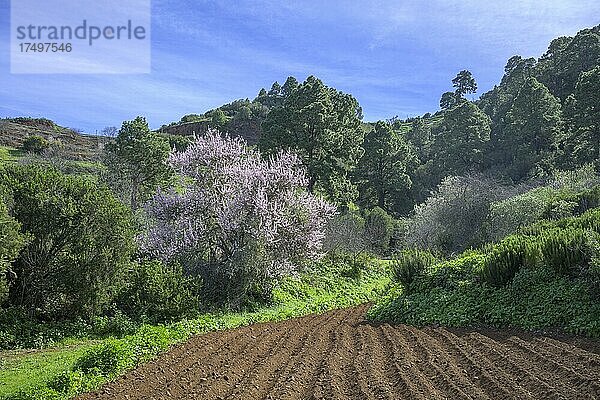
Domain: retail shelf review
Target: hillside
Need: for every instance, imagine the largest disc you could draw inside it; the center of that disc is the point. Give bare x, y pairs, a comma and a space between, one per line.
73, 145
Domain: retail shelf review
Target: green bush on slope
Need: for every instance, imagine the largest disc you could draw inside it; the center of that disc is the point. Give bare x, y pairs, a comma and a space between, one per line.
546, 278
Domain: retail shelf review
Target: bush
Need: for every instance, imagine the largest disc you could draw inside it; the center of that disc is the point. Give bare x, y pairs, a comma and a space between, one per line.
568, 252
569, 193
349, 265
345, 233
11, 243
80, 239
155, 292
72, 383
576, 180
35, 144
379, 226
507, 216
452, 218
177, 142
410, 264
507, 259
535, 299
452, 273
108, 359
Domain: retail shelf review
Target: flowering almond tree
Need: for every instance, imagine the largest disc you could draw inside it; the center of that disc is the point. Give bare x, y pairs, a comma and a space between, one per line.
236, 219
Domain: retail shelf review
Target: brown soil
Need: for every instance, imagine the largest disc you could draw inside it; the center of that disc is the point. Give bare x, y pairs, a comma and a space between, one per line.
338, 356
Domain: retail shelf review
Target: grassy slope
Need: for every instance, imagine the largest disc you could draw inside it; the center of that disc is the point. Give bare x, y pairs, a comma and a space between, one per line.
75, 146
25, 376
538, 297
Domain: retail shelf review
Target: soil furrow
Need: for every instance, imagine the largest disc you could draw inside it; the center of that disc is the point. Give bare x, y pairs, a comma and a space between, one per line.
492, 379
406, 385
430, 363
234, 370
260, 381
449, 362
526, 373
338, 356
555, 369
409, 362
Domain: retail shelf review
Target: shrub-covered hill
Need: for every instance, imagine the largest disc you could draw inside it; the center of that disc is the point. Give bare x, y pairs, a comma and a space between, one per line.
72, 145
547, 276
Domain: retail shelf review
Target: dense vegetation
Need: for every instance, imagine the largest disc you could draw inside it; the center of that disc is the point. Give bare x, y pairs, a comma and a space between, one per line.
326, 285
488, 208
544, 277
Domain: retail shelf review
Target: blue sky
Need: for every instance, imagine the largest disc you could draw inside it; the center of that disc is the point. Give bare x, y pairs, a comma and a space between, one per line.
395, 57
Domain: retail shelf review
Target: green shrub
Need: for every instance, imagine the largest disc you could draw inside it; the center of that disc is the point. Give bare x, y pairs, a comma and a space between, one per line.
379, 226
107, 359
72, 383
569, 251
452, 273
534, 299
11, 243
118, 324
177, 142
453, 218
149, 341
507, 258
507, 216
155, 292
35, 144
409, 264
81, 238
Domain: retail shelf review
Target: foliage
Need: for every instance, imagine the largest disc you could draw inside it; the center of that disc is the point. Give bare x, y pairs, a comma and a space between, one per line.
35, 144
583, 142
239, 221
324, 288
448, 100
584, 177
107, 359
322, 125
546, 277
460, 140
508, 215
80, 237
569, 251
345, 233
136, 162
409, 264
71, 383
177, 142
452, 218
532, 130
379, 227
20, 330
464, 83
382, 170
535, 299
568, 193
506, 259
155, 292
11, 243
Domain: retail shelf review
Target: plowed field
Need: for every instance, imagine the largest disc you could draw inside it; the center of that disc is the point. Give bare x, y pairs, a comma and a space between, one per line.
339, 356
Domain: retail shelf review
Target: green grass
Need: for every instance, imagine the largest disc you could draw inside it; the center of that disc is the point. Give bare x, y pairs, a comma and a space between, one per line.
70, 370
25, 369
